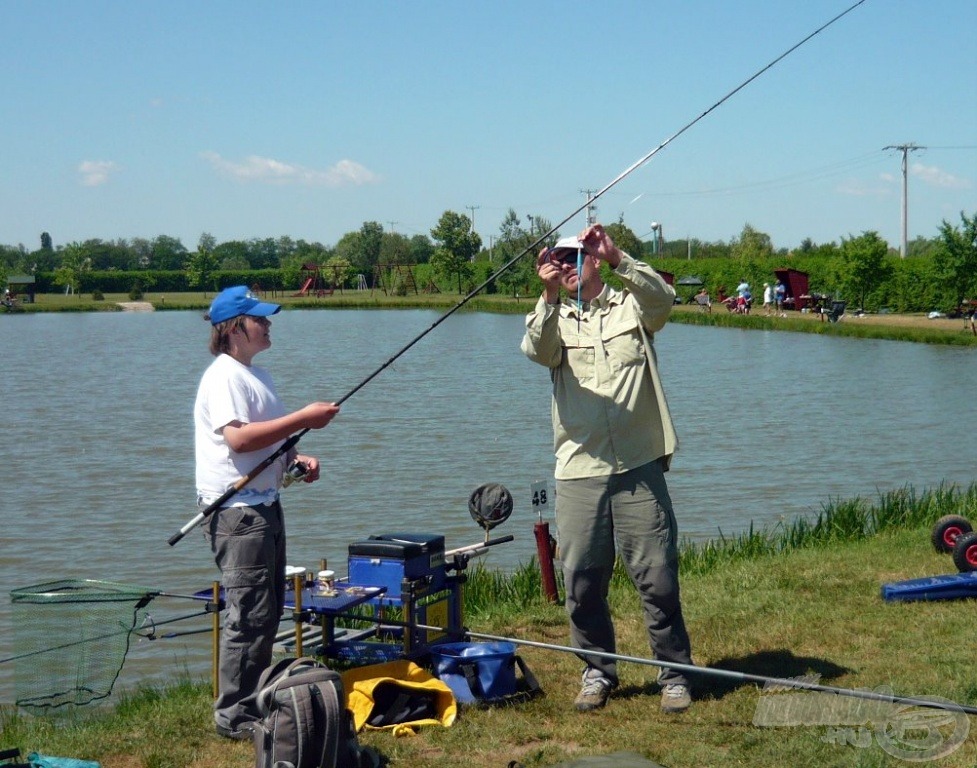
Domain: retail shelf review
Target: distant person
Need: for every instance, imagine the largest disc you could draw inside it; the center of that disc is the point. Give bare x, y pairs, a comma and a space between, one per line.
973, 322
703, 300
767, 299
613, 439
779, 296
239, 421
743, 288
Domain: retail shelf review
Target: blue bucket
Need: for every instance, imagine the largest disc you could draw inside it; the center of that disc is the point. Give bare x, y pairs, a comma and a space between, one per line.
476, 671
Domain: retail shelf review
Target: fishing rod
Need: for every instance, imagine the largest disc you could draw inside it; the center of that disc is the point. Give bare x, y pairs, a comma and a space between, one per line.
290, 442
781, 683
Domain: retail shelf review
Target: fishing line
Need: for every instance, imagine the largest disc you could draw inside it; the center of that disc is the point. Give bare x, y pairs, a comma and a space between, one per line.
290, 442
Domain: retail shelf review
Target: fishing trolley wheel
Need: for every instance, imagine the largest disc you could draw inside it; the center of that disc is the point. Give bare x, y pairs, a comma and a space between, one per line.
965, 552
947, 530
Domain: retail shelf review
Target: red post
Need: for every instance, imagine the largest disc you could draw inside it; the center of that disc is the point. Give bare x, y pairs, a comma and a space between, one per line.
544, 552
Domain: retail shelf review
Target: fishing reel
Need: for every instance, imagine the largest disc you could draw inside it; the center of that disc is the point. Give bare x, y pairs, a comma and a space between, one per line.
297, 470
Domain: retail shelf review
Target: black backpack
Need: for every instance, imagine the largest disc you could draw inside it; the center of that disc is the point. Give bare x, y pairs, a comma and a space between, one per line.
304, 721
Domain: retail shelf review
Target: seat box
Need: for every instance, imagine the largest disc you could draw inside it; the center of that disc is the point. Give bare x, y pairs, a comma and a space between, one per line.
386, 560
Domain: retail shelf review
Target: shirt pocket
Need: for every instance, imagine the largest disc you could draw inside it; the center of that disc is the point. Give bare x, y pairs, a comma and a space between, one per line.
580, 360
622, 341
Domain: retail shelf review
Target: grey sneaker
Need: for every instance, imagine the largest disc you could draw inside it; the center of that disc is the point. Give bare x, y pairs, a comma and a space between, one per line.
676, 698
593, 692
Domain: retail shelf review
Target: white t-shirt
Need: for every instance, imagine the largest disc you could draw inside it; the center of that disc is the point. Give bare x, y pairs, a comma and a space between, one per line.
230, 391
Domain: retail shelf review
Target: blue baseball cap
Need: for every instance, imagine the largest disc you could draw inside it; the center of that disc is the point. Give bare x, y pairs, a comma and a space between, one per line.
236, 301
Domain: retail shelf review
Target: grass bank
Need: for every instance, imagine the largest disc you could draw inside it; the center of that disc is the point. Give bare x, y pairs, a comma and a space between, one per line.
799, 599
915, 328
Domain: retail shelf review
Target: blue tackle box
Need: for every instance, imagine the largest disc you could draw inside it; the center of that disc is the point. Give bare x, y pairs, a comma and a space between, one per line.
388, 559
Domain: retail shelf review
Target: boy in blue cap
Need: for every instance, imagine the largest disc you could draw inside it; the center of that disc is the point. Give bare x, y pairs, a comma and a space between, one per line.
239, 420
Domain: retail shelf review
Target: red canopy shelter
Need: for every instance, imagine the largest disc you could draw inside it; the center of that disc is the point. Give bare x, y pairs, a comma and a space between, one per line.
795, 282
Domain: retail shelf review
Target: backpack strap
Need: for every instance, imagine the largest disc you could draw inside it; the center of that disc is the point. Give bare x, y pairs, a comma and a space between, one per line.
335, 724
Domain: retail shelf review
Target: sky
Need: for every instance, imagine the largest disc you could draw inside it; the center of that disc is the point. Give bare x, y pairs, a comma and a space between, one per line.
249, 120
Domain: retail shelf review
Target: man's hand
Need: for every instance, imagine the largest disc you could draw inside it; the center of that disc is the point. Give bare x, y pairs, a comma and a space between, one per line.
550, 273
599, 245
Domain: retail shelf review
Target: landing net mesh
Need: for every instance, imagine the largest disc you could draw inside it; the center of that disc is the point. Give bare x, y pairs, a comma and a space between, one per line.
71, 638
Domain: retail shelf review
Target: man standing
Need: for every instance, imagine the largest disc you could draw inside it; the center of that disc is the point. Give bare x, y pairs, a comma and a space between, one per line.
779, 294
240, 421
613, 439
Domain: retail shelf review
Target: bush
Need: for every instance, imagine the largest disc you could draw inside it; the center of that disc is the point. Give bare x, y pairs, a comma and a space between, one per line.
135, 293
97, 295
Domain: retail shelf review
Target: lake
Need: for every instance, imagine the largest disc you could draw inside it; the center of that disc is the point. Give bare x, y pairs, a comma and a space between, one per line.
97, 464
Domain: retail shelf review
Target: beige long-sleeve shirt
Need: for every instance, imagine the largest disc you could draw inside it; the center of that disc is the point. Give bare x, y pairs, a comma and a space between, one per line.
609, 409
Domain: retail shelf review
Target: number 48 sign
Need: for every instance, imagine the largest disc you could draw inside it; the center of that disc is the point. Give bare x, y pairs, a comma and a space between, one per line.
541, 499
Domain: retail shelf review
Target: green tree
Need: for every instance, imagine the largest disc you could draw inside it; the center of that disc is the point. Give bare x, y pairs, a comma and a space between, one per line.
371, 242
457, 245
865, 263
394, 249
201, 265
956, 259
233, 254
625, 239
421, 249
516, 243
75, 262
752, 245
168, 253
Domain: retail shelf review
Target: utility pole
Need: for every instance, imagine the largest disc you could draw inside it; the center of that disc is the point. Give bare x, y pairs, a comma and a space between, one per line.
391, 223
905, 149
591, 208
473, 208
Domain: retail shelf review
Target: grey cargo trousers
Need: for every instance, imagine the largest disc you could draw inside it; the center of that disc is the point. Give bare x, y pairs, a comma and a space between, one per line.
249, 547
634, 510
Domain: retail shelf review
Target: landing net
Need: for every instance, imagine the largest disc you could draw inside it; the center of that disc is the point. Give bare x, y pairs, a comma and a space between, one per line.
71, 638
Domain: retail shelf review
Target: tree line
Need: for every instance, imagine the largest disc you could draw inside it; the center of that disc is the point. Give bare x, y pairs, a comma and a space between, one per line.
939, 273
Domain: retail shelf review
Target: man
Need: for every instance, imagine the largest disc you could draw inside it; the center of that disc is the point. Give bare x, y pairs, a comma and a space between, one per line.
239, 421
613, 439
780, 294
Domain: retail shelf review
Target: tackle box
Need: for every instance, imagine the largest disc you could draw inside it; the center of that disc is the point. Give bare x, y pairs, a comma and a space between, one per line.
388, 559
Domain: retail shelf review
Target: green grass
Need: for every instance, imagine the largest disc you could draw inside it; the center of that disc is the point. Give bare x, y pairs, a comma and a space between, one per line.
799, 599
442, 302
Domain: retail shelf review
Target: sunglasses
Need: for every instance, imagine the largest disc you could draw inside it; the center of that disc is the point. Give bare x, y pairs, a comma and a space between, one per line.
562, 257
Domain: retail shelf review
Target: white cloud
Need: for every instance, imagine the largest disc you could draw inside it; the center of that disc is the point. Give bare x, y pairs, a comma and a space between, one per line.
94, 173
265, 170
936, 177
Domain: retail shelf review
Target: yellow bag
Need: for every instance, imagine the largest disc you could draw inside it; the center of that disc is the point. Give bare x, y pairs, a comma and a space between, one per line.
397, 695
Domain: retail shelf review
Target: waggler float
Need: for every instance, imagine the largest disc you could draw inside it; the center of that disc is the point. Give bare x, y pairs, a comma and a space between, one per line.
784, 683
